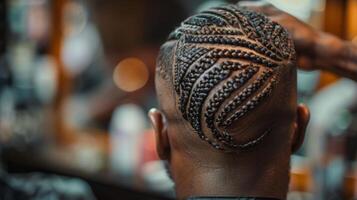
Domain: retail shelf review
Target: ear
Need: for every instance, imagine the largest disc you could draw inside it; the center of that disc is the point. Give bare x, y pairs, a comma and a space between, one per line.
159, 124
302, 119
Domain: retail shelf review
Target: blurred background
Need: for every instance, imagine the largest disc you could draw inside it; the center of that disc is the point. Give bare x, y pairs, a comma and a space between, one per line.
76, 82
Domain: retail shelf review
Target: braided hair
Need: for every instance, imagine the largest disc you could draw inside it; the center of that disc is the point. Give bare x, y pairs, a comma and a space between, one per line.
225, 64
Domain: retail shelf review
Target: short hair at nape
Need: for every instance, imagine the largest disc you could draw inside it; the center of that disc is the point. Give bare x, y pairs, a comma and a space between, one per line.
234, 54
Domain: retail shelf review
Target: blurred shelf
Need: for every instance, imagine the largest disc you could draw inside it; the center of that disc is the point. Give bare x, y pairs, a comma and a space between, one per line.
105, 185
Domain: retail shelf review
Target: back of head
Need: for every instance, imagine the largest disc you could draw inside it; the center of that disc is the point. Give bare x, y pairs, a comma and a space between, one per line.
231, 70
226, 83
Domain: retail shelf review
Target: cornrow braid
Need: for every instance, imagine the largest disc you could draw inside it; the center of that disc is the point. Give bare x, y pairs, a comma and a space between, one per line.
237, 54
242, 96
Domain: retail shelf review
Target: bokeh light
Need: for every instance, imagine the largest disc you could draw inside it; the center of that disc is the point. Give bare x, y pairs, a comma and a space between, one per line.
131, 74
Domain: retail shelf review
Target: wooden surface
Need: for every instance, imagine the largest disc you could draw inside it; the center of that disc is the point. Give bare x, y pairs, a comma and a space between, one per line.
335, 23
61, 132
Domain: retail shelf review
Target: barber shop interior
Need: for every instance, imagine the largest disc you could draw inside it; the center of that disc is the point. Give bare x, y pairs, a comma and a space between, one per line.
178, 99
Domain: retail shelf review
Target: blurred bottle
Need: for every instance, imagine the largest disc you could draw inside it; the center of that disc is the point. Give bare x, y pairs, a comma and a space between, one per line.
126, 130
7, 115
350, 154
324, 142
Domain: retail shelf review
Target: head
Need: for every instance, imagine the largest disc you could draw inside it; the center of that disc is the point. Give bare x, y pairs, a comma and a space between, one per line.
228, 120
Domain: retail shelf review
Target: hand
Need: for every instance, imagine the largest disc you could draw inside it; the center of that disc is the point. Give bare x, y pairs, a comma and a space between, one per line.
304, 36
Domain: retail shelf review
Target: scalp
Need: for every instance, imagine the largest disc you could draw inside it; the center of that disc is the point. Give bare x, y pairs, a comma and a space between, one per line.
226, 62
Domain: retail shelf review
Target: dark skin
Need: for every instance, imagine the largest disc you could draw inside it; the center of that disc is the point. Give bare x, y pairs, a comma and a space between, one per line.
316, 51
263, 171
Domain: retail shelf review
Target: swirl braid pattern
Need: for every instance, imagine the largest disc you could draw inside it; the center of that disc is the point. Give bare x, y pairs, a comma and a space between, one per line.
226, 64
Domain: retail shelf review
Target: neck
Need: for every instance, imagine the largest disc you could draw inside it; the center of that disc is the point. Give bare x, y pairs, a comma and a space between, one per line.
258, 179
